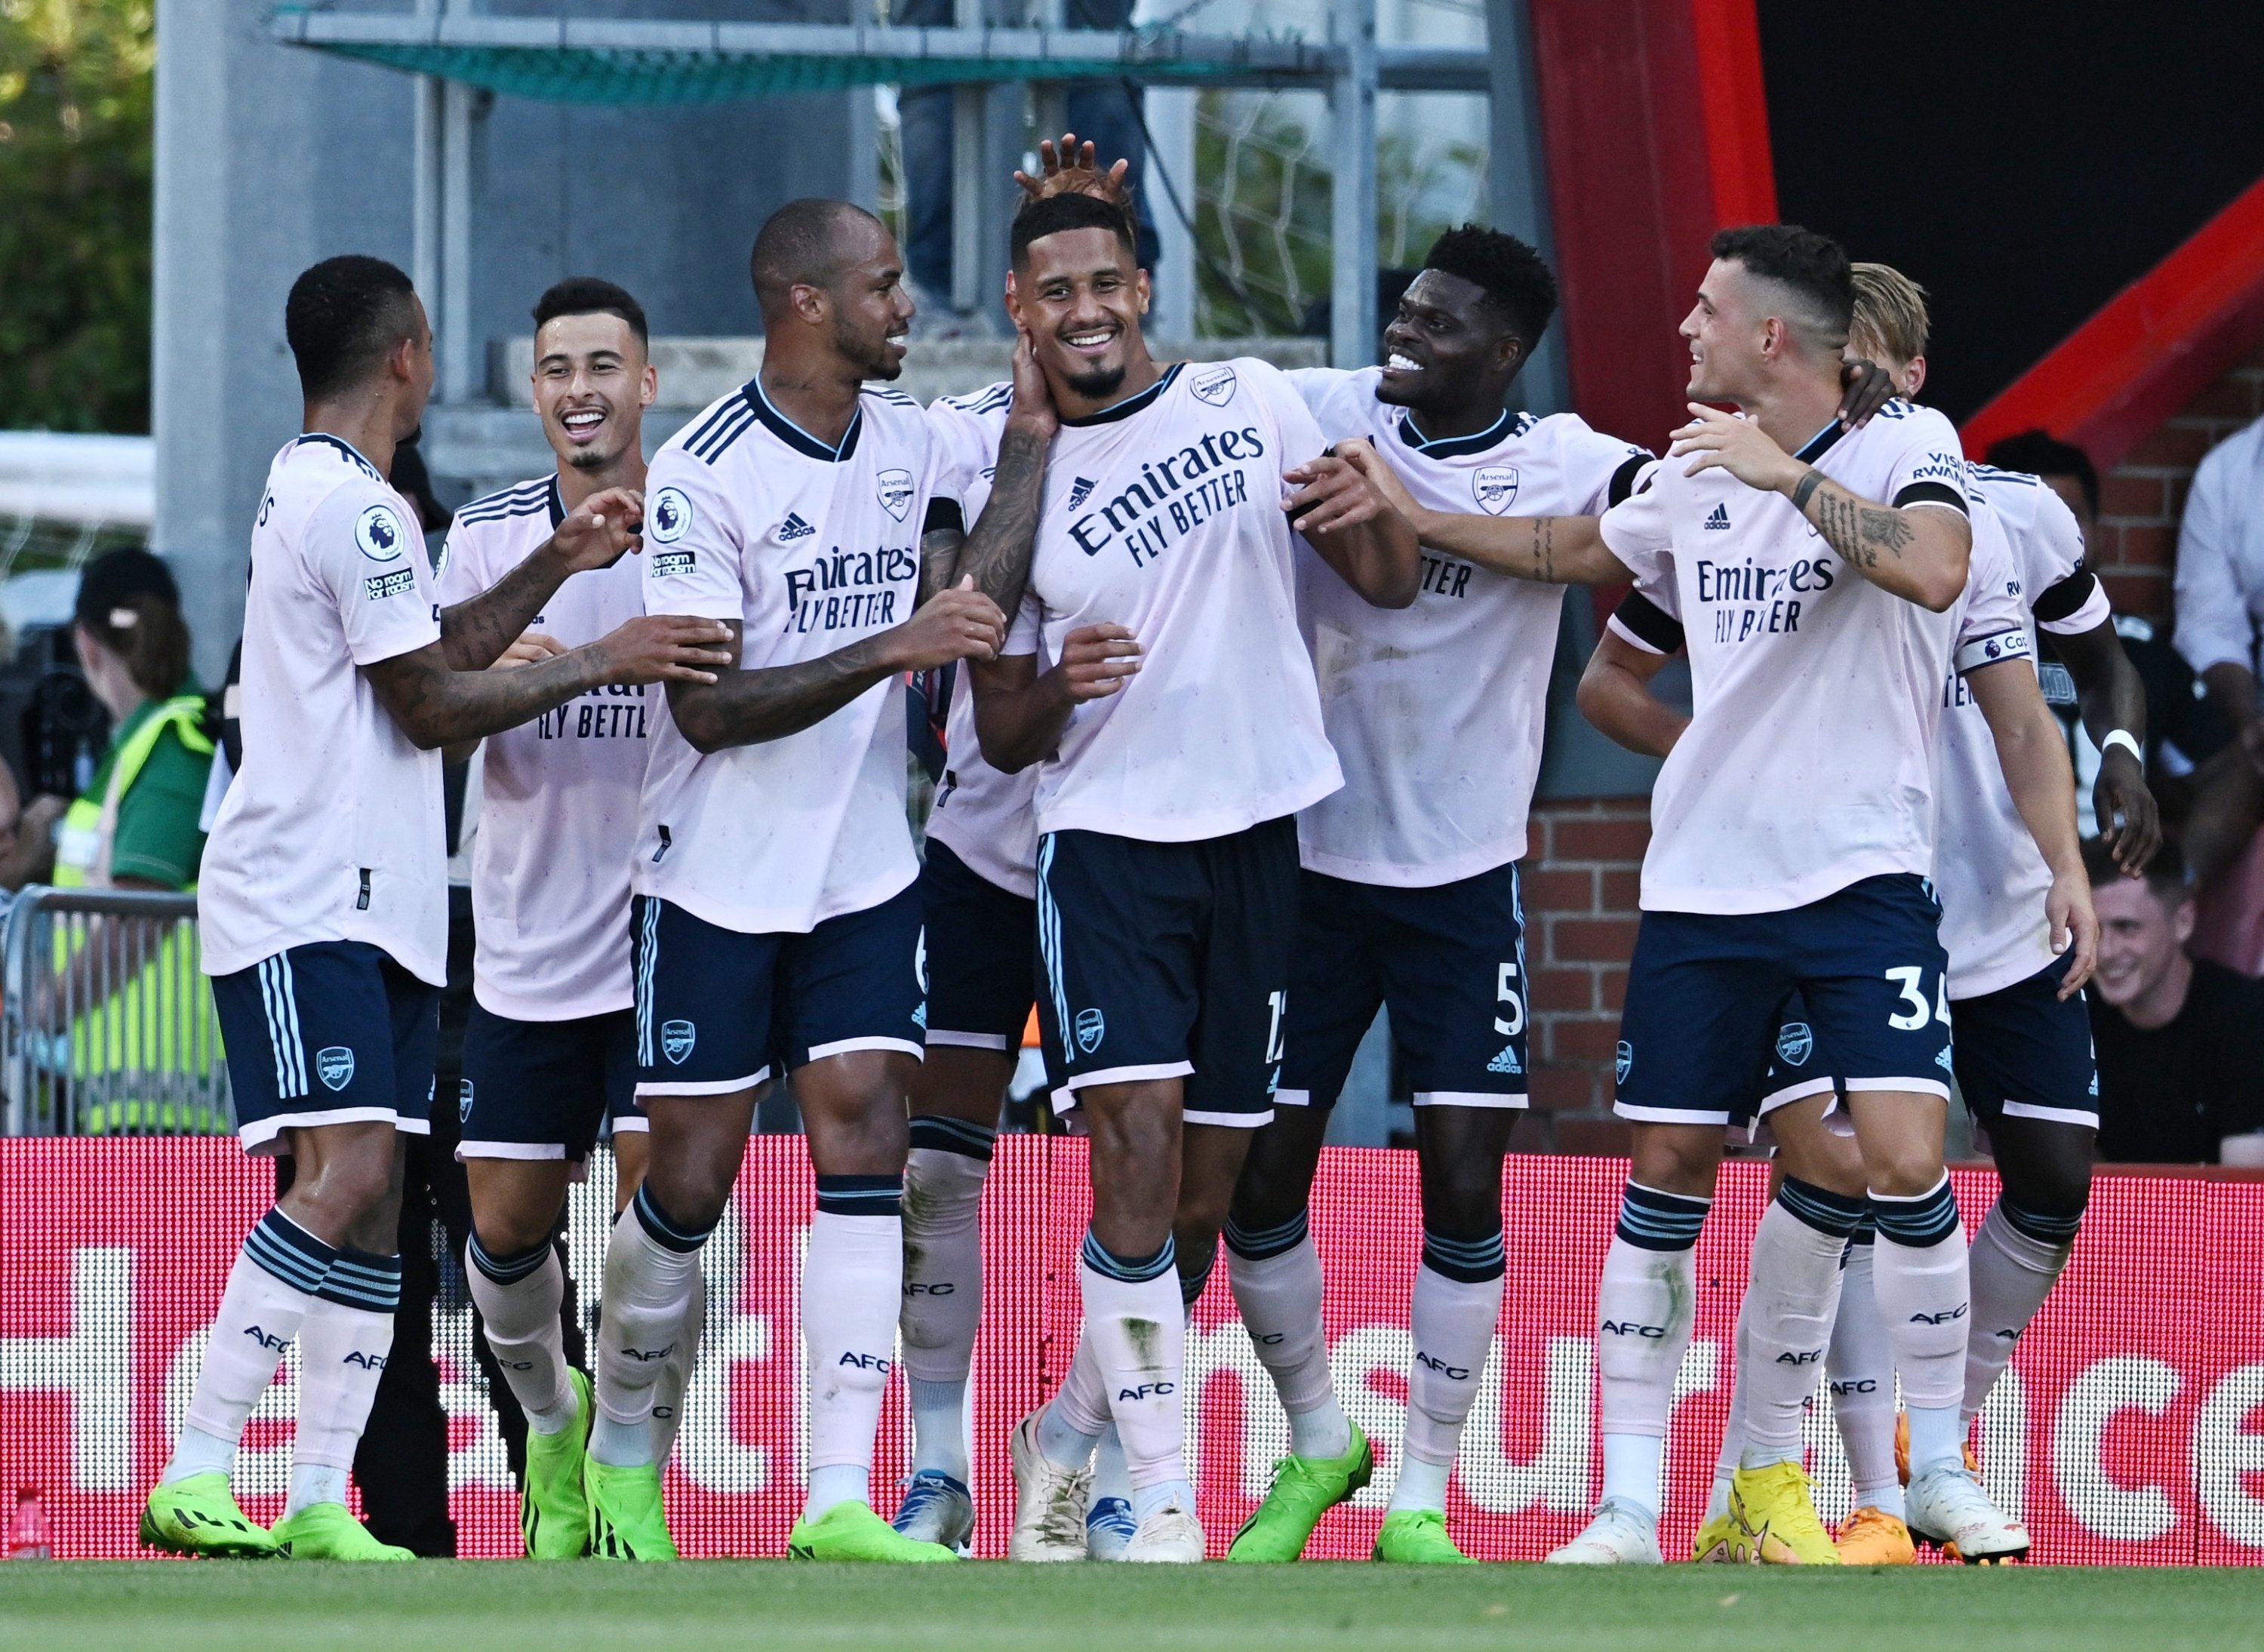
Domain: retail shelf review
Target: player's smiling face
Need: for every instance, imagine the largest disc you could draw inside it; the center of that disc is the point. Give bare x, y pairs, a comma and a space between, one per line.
591, 386
1080, 296
1446, 348
1724, 331
872, 311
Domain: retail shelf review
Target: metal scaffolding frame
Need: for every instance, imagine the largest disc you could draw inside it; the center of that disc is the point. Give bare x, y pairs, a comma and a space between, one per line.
587, 60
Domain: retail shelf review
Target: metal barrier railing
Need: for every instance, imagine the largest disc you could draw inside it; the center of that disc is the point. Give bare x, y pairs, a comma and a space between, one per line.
107, 1022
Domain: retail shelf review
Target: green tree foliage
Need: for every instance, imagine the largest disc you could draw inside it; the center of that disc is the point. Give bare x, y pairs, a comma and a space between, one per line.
74, 190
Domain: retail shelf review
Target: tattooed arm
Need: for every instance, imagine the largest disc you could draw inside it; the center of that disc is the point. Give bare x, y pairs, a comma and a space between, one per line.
474, 634
437, 705
1919, 553
996, 554
745, 708
1553, 550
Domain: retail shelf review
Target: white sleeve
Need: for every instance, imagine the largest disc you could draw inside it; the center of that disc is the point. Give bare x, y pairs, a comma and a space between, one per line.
2065, 594
954, 443
1321, 390
1590, 462
1636, 531
692, 541
463, 575
363, 549
2213, 625
1300, 431
1026, 635
1994, 625
1930, 469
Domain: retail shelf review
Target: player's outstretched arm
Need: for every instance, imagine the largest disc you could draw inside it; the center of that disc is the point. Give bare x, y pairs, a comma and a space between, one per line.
1553, 550
1918, 553
1019, 712
596, 533
436, 705
1615, 697
2113, 696
2034, 756
745, 708
1356, 530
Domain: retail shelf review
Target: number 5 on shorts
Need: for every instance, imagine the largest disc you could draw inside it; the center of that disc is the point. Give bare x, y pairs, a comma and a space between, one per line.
1505, 992
1910, 979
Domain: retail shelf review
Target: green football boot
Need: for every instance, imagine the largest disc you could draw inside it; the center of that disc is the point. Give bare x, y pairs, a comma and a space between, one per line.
626, 1521
852, 1532
554, 1508
1418, 1537
329, 1531
198, 1515
1304, 1488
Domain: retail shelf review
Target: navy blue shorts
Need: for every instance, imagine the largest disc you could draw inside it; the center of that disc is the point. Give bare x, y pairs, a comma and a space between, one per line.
718, 1011
1707, 992
982, 955
2023, 1053
331, 1033
543, 1090
1447, 961
1168, 961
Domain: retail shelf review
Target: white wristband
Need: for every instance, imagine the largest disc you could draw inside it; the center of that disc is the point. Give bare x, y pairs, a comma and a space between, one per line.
2122, 737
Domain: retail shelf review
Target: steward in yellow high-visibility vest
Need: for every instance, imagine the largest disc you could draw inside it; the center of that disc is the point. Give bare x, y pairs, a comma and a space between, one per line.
136, 827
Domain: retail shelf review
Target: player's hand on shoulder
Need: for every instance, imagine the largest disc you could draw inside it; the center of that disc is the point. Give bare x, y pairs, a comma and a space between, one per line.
531, 648
958, 624
1714, 439
1097, 661
665, 647
1864, 388
599, 531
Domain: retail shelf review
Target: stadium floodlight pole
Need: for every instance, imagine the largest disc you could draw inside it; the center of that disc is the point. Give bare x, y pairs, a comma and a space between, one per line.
1352, 228
425, 213
459, 362
1518, 174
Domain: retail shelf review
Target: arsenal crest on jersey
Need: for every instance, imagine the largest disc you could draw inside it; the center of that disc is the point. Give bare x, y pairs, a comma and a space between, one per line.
895, 489
1214, 385
1495, 487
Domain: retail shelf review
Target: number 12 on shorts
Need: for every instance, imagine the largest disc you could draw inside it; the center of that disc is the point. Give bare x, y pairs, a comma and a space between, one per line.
1277, 1005
1912, 980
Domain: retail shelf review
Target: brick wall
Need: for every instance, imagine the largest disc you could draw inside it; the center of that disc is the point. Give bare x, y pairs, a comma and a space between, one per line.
2142, 499
1580, 890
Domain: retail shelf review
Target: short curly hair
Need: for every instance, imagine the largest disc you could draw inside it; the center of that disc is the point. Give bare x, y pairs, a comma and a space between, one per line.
1516, 283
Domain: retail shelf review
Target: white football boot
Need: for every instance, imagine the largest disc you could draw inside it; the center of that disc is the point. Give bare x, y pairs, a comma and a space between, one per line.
1049, 1501
1620, 1535
1947, 1507
1171, 1536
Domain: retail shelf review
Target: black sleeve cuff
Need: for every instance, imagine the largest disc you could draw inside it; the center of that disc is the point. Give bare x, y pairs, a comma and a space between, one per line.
2067, 597
1649, 624
1623, 479
1930, 493
944, 516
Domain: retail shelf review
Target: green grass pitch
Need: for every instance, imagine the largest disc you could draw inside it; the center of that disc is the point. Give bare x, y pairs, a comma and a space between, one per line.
504, 1607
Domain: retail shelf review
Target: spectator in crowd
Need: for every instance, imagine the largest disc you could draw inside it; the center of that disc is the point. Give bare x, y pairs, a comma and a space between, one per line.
2180, 1039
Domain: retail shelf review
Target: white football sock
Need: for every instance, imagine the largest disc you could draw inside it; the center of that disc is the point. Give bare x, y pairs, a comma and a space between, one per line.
1790, 1297
1733, 1426
519, 1297
943, 1299
1112, 1477
1136, 1324
314, 1483
1073, 1421
676, 1372
270, 1285
1644, 1319
2013, 1272
851, 1288
1453, 1322
342, 1354
651, 1272
1861, 1369
1280, 1298
1922, 1279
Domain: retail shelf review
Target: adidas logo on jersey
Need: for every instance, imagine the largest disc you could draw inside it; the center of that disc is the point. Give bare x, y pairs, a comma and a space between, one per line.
1507, 1061
1720, 518
1080, 491
794, 527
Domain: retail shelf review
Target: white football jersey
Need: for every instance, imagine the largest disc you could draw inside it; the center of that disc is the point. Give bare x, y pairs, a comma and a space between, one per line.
1163, 514
558, 812
810, 548
985, 817
1436, 710
333, 831
1808, 762
1991, 874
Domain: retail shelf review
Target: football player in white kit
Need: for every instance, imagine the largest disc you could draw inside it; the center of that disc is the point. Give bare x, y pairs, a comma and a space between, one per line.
777, 929
1816, 570
549, 1051
322, 904
1176, 737
1409, 889
2022, 1047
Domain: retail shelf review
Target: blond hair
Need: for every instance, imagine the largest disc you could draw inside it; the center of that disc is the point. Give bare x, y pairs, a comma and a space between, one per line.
1890, 310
